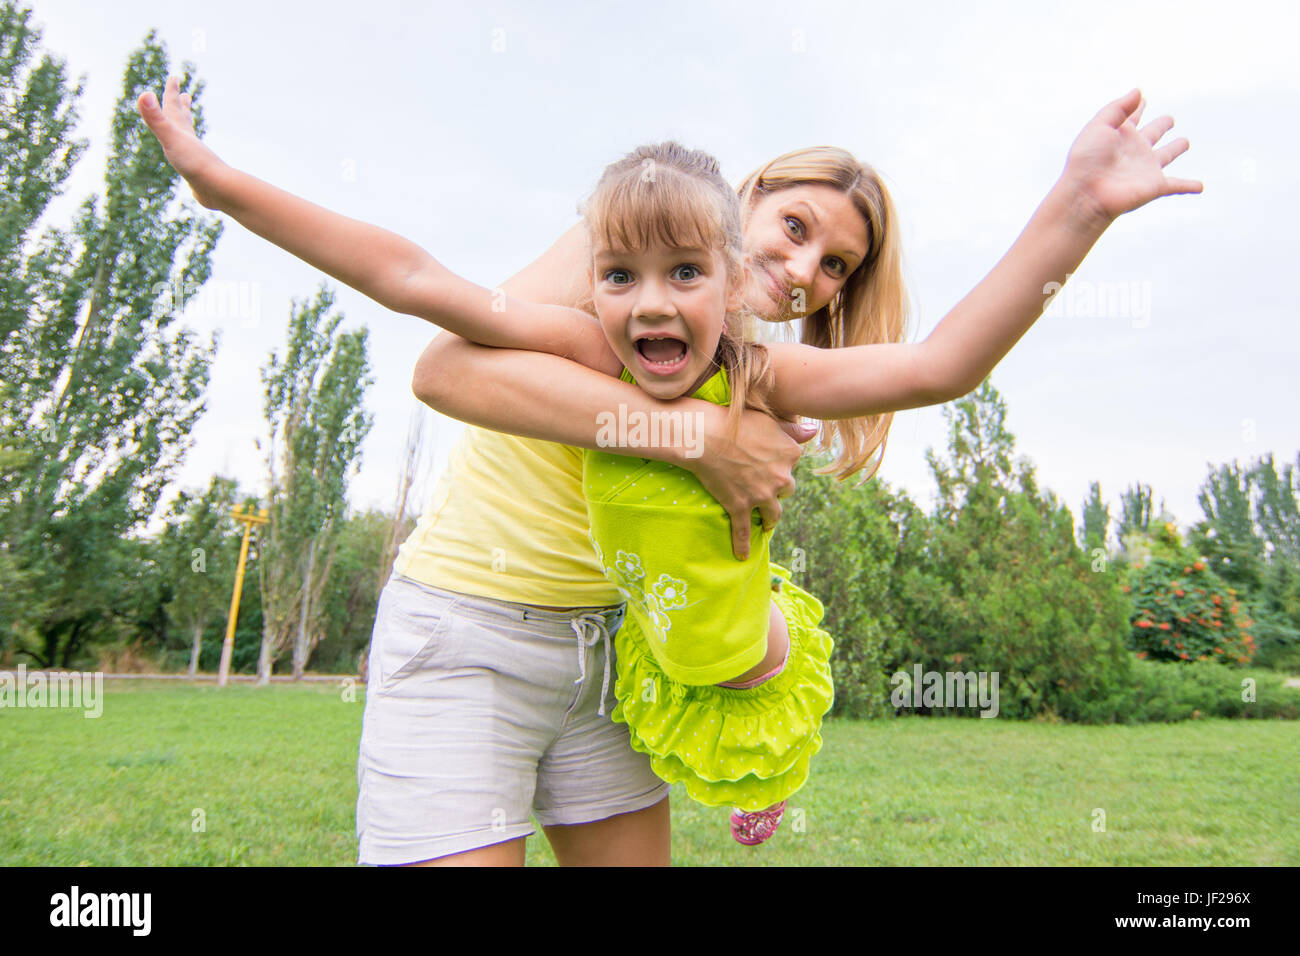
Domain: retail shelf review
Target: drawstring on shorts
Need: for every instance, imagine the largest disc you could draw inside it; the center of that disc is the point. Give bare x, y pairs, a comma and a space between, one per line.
586, 640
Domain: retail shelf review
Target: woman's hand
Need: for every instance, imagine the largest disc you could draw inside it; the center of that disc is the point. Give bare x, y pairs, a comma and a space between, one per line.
173, 125
752, 472
1114, 167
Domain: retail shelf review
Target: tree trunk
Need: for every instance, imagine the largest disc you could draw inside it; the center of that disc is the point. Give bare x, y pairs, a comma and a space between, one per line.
264, 661
300, 637
194, 651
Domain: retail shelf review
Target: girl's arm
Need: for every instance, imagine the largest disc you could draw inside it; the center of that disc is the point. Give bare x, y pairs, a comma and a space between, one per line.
1113, 168
393, 271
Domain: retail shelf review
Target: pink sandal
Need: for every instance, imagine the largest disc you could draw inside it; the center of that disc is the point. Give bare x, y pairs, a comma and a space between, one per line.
755, 827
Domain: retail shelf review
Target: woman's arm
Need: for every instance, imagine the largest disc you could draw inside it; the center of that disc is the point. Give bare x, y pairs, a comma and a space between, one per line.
391, 270
1113, 168
516, 392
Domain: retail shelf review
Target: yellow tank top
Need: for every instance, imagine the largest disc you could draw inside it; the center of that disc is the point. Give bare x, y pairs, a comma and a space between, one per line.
507, 521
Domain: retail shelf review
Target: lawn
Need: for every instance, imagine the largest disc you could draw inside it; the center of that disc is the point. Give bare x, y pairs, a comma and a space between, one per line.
177, 774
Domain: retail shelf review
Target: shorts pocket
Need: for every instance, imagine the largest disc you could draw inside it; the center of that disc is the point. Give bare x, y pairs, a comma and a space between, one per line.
413, 629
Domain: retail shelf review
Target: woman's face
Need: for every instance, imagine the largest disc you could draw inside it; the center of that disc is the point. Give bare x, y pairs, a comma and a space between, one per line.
802, 243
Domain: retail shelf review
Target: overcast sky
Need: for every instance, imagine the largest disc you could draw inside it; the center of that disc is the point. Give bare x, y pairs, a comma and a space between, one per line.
474, 131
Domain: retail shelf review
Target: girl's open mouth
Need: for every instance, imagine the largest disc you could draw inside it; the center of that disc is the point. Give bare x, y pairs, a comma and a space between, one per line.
662, 356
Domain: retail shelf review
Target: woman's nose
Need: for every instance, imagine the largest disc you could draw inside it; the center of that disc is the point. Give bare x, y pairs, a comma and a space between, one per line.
801, 269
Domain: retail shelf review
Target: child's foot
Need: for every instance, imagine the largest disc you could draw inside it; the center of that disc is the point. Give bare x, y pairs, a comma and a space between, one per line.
753, 828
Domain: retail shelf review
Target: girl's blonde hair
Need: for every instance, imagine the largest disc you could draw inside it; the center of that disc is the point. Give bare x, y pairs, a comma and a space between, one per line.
872, 306
677, 196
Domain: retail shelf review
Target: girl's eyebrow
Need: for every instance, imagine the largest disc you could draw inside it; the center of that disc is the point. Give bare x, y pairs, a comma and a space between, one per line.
697, 252
851, 253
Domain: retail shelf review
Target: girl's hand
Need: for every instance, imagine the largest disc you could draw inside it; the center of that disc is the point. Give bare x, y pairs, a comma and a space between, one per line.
173, 125
1114, 167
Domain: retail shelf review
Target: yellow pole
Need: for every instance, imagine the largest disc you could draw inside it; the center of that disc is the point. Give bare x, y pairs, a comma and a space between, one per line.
247, 519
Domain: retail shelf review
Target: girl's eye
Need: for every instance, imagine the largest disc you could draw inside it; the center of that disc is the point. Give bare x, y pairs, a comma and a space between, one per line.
692, 270
611, 275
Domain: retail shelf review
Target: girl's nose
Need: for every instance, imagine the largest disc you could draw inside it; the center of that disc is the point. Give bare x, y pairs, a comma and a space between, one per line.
653, 301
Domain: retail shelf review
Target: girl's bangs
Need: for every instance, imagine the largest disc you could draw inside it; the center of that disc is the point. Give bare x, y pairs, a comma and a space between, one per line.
638, 213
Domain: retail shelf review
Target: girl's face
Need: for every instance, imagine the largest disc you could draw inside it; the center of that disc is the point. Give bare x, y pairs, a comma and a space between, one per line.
663, 312
802, 243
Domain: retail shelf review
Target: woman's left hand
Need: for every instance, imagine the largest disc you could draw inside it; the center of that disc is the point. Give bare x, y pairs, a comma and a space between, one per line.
1115, 167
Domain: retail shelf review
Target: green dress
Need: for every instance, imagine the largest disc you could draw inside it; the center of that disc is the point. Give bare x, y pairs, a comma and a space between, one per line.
695, 617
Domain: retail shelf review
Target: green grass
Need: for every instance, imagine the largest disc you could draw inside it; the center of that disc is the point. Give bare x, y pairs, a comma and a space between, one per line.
273, 771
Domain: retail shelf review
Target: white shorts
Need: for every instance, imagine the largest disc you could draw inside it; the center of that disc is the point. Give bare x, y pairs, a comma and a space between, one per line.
479, 712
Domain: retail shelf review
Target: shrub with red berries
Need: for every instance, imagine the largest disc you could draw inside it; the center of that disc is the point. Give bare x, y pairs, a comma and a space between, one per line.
1186, 612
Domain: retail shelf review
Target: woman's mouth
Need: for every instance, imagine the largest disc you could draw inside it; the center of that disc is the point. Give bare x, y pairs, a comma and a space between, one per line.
777, 289
662, 355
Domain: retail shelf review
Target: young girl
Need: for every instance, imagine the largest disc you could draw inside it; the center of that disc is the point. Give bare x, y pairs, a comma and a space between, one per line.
723, 673
1113, 167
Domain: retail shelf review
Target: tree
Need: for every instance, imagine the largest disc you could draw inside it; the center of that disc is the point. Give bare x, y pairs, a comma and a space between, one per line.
316, 424
1096, 520
199, 549
1000, 585
1135, 509
37, 152
402, 523
356, 576
1279, 507
1227, 535
101, 389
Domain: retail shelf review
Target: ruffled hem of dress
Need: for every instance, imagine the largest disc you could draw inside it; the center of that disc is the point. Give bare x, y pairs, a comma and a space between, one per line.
729, 745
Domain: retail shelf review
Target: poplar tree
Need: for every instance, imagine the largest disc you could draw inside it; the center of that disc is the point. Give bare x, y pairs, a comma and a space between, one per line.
101, 387
1096, 520
316, 423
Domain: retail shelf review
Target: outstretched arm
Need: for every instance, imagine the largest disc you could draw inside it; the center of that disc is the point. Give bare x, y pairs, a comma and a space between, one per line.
393, 271
1113, 167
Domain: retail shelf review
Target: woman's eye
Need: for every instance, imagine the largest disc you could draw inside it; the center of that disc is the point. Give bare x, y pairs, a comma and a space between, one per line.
692, 272
798, 225
837, 267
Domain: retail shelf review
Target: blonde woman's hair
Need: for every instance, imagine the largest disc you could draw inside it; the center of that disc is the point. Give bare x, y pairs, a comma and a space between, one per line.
674, 195
871, 307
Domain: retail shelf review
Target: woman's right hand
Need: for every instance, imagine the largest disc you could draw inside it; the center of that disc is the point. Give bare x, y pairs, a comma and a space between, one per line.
751, 472
173, 125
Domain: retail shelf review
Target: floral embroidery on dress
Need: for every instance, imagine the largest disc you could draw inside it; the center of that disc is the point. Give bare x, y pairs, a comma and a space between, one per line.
628, 574
629, 567
670, 591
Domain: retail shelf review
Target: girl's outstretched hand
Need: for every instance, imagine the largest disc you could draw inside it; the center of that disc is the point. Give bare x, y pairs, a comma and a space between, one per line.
1117, 167
173, 124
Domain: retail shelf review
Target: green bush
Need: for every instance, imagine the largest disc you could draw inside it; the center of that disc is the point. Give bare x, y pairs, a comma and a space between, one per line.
839, 542
1186, 612
1163, 692
1007, 589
